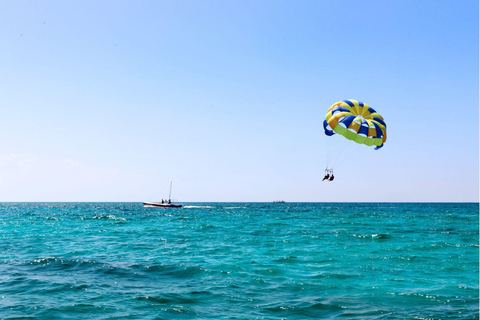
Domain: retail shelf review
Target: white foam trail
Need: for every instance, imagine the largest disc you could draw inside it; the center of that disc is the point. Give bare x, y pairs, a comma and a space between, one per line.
201, 207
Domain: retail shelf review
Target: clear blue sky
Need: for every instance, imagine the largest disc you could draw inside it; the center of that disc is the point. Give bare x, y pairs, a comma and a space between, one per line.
112, 100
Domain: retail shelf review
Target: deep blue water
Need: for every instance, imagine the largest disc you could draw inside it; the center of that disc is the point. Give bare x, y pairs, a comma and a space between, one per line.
239, 261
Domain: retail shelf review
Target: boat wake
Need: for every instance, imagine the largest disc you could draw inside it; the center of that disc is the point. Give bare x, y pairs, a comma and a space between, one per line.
198, 207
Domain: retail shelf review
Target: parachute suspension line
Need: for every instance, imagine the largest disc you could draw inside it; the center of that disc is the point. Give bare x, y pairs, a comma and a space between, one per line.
332, 147
347, 154
339, 150
350, 153
335, 148
329, 146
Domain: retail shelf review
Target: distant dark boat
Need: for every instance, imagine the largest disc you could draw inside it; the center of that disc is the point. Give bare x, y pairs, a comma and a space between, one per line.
164, 204
279, 201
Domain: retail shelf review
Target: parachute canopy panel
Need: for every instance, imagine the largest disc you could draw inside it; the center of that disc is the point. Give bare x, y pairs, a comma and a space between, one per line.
356, 121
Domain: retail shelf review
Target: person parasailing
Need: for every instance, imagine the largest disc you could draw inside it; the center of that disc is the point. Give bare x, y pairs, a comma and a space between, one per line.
327, 175
331, 177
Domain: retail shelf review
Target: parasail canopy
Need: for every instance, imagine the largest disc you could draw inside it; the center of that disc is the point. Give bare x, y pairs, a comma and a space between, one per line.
356, 121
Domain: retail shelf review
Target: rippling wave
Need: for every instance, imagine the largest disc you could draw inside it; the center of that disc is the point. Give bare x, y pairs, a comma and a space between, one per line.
239, 261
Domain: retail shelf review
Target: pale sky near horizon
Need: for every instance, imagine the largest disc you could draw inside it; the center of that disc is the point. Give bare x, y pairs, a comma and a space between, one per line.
112, 100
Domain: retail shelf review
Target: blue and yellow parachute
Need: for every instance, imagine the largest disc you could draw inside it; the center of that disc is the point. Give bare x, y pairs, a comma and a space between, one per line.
356, 121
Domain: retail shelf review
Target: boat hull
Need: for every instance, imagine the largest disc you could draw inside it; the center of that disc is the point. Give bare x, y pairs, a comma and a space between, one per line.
162, 205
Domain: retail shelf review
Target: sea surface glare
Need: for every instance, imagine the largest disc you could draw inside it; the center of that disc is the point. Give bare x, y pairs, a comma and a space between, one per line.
239, 261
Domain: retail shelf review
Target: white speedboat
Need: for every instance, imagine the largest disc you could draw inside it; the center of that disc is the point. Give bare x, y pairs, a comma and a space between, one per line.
164, 204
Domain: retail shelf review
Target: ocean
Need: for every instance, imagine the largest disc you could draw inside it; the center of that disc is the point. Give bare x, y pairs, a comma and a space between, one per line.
239, 261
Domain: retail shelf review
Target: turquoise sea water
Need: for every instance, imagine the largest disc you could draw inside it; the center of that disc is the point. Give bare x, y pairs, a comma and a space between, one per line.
239, 261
